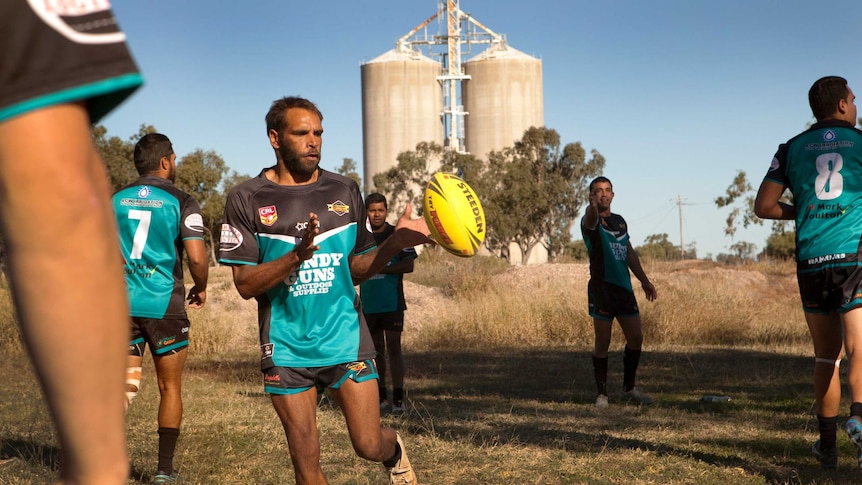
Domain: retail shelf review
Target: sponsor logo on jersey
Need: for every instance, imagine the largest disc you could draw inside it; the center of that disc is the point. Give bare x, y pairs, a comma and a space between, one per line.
825, 211
315, 276
230, 238
81, 21
774, 164
195, 222
144, 192
340, 208
828, 135
266, 351
268, 215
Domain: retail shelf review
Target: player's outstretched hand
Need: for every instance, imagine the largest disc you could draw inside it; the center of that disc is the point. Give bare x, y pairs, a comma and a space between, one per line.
196, 298
412, 232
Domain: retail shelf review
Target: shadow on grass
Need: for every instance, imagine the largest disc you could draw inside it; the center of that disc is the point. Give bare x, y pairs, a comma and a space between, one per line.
544, 397
31, 452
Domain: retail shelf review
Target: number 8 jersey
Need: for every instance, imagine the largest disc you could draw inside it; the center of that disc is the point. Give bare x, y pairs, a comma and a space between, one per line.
153, 218
822, 167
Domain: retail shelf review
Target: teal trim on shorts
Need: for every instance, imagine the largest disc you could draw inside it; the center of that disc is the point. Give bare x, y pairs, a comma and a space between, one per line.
352, 375
137, 341
78, 93
176, 346
285, 392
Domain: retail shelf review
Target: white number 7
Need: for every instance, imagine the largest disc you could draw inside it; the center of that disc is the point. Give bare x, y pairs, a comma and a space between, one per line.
141, 232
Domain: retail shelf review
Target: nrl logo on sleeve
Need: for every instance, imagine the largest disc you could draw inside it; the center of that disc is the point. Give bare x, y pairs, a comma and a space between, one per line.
268, 215
340, 208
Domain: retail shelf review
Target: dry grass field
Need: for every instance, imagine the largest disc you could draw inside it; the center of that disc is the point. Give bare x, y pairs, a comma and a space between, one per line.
499, 387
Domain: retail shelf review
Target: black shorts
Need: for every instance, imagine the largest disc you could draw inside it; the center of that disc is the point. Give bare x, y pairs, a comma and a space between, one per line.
164, 336
607, 301
391, 321
837, 289
293, 380
59, 52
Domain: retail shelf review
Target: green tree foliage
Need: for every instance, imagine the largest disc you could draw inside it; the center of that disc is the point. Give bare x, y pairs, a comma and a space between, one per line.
535, 192
118, 154
739, 192
658, 247
781, 245
348, 169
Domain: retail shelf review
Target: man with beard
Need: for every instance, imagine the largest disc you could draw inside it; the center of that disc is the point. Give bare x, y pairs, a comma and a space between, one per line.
297, 242
156, 221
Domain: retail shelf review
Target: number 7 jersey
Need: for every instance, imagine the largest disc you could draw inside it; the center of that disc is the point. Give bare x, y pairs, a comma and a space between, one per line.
822, 167
154, 218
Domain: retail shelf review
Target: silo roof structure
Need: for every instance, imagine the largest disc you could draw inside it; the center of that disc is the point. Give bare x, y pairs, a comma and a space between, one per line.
503, 98
401, 106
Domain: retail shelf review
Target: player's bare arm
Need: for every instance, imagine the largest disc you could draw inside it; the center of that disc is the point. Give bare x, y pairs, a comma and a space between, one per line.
199, 268
591, 218
401, 267
634, 262
768, 205
408, 233
251, 281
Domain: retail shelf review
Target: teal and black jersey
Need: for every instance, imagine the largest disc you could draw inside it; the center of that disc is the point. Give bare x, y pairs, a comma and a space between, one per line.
607, 245
314, 317
822, 167
384, 292
60, 52
153, 219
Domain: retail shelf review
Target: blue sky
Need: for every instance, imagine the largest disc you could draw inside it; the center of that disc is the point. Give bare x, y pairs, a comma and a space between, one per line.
678, 95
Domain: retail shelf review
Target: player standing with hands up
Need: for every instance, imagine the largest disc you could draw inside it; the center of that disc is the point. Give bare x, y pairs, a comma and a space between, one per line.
610, 290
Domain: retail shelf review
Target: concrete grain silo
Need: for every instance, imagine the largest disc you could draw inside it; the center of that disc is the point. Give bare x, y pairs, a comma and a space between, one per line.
401, 106
503, 98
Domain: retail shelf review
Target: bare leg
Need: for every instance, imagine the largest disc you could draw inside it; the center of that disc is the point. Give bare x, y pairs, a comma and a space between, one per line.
298, 414
358, 403
826, 336
67, 283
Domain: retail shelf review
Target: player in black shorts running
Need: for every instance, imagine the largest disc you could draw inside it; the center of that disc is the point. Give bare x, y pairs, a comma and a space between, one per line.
610, 290
297, 242
822, 168
63, 65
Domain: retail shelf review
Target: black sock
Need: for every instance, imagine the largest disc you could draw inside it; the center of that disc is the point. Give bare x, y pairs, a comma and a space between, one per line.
631, 359
397, 395
382, 392
828, 428
856, 409
167, 445
600, 371
394, 460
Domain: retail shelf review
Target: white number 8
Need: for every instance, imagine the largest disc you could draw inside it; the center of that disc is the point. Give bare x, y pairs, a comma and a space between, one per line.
829, 183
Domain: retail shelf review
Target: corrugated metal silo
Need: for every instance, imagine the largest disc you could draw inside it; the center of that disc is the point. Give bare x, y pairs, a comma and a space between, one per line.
503, 98
401, 106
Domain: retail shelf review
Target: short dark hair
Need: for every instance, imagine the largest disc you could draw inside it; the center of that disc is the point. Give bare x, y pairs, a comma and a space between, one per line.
275, 119
824, 95
376, 198
149, 150
600, 179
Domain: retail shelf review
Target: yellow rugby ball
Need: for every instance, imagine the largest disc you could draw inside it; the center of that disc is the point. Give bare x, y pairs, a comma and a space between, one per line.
454, 214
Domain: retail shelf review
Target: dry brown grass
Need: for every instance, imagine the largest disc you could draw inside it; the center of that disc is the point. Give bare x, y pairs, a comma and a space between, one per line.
500, 387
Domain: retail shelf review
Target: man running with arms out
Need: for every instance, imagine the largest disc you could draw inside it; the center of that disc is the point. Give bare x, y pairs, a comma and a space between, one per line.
383, 303
610, 290
822, 167
296, 238
156, 222
64, 65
